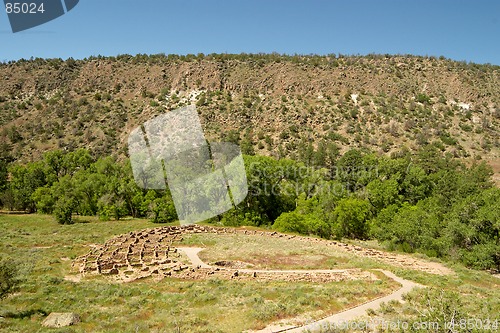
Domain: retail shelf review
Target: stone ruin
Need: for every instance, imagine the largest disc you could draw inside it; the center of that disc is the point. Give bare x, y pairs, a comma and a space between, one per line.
151, 253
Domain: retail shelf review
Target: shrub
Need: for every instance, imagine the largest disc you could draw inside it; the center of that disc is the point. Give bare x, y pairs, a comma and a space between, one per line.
291, 222
352, 216
8, 278
63, 210
423, 98
162, 210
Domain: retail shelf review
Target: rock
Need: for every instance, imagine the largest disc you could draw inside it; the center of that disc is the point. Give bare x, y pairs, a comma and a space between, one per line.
55, 320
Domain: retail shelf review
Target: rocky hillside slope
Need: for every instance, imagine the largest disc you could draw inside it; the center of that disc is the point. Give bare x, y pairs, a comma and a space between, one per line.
270, 104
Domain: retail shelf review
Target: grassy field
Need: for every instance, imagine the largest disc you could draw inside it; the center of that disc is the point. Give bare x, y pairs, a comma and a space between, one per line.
43, 252
261, 252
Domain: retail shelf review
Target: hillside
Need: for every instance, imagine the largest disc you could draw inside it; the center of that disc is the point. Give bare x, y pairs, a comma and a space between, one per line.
271, 104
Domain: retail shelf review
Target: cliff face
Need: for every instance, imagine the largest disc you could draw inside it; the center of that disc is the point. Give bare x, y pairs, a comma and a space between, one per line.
275, 105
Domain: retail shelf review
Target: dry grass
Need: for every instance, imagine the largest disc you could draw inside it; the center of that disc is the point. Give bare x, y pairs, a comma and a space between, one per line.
41, 248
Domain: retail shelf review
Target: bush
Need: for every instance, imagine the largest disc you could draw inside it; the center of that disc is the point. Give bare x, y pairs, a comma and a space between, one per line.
235, 218
111, 206
63, 210
423, 98
291, 222
162, 210
352, 216
482, 256
306, 224
8, 278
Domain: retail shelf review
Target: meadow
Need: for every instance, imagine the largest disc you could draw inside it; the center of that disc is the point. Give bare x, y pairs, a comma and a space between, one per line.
44, 250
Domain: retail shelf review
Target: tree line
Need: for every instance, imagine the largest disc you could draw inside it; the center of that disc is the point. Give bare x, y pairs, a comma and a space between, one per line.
74, 183
426, 202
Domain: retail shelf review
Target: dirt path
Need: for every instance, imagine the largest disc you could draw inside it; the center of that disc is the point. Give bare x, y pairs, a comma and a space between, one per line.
192, 254
329, 322
340, 318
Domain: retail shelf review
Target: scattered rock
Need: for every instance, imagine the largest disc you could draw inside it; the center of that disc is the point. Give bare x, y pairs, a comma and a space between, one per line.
56, 319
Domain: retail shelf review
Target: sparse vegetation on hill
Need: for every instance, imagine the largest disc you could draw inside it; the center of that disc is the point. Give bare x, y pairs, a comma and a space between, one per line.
283, 106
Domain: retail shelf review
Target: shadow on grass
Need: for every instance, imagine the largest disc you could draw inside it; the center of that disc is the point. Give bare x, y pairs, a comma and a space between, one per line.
81, 220
24, 314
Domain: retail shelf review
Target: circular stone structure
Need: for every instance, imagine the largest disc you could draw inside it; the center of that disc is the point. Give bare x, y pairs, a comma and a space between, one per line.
151, 253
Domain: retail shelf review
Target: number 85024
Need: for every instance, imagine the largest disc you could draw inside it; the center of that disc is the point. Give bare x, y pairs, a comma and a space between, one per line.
23, 8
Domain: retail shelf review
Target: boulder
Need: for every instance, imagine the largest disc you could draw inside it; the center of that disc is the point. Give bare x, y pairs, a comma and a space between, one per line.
55, 320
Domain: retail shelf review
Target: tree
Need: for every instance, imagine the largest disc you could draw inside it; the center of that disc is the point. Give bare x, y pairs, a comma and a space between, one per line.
412, 228
44, 200
66, 200
311, 216
63, 210
291, 222
352, 216
162, 210
348, 168
54, 163
24, 181
383, 193
473, 230
247, 147
89, 187
271, 189
3, 175
320, 155
416, 185
77, 160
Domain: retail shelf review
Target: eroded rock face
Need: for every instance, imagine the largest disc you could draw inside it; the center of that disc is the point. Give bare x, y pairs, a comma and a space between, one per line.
56, 320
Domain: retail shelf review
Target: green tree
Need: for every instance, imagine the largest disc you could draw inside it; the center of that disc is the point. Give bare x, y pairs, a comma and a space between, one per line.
291, 222
352, 217
111, 206
271, 186
416, 185
54, 163
44, 200
162, 210
473, 230
66, 199
3, 175
63, 210
348, 169
383, 193
77, 160
24, 181
412, 228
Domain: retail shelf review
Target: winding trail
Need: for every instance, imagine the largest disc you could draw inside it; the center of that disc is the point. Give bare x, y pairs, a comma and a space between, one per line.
331, 321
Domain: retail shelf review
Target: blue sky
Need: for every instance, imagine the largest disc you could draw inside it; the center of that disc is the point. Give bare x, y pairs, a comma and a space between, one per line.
456, 29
